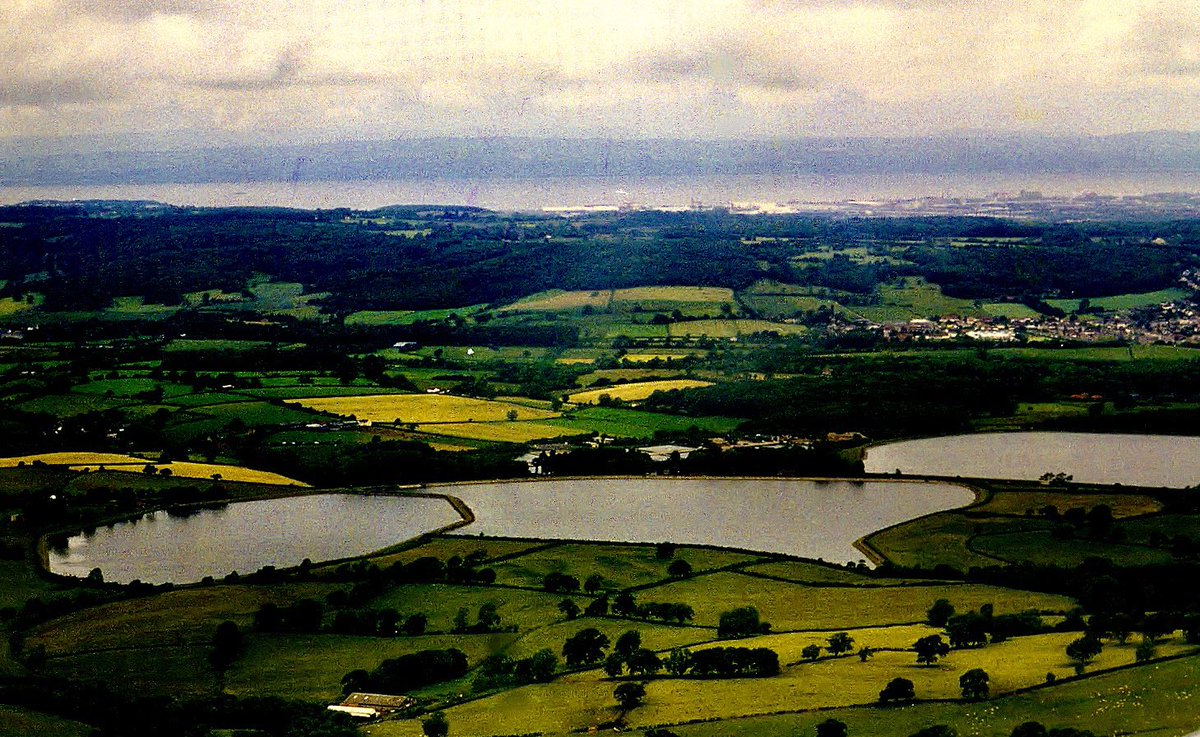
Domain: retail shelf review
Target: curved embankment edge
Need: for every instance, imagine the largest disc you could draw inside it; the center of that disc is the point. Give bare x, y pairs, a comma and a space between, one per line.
876, 556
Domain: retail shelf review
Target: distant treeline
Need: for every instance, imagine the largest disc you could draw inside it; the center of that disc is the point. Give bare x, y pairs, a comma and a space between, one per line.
81, 257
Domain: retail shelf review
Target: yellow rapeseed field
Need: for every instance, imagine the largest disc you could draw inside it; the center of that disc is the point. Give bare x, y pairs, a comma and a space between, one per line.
72, 459
423, 408
188, 470
636, 391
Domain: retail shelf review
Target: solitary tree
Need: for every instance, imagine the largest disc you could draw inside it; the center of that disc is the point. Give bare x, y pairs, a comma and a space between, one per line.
679, 568
899, 690
644, 662
840, 643
678, 661
1084, 650
585, 647
227, 645
930, 648
974, 684
865, 653
436, 725
1029, 729
941, 611
811, 652
569, 608
832, 728
629, 695
628, 643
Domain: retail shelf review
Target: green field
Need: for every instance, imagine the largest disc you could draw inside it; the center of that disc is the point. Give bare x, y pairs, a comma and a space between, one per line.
1124, 301
628, 423
1011, 310
620, 566
731, 328
796, 607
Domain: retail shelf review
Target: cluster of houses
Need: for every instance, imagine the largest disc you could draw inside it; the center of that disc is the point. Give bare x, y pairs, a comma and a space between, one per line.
1173, 323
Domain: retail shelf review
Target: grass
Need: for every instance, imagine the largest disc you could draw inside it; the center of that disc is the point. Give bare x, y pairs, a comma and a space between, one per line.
19, 582
1018, 502
129, 387
450, 546
188, 470
1124, 301
136, 308
941, 539
731, 328
556, 300
422, 408
186, 345
10, 307
1039, 546
621, 566
172, 619
441, 602
171, 670
68, 405
406, 317
502, 432
18, 722
626, 375
1123, 353
798, 607
635, 391
629, 423
802, 572
310, 667
636, 358
72, 459
712, 295
1011, 310
579, 701
1155, 699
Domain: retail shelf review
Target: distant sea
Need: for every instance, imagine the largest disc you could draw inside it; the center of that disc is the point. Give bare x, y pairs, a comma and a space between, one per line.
535, 194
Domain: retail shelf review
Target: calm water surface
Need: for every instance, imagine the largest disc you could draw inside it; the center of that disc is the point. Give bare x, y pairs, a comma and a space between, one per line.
807, 518
246, 536
1141, 460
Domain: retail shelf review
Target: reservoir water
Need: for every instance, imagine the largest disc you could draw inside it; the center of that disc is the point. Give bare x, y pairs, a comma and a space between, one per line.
1132, 460
245, 536
815, 519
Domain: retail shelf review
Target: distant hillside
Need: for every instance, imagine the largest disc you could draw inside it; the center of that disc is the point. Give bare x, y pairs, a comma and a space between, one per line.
79, 162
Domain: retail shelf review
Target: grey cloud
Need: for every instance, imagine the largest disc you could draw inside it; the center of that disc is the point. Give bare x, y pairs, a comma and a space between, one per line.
43, 92
1161, 41
726, 66
290, 69
136, 10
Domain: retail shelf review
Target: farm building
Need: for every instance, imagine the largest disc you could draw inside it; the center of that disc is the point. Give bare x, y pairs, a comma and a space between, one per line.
662, 453
371, 705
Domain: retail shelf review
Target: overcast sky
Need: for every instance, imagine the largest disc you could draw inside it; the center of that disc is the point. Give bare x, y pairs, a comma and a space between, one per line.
270, 70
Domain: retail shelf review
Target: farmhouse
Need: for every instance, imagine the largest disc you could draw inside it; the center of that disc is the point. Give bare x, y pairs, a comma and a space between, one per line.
371, 705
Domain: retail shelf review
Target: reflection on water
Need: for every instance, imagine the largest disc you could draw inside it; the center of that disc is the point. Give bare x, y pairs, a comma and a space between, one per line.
814, 519
245, 536
1133, 460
